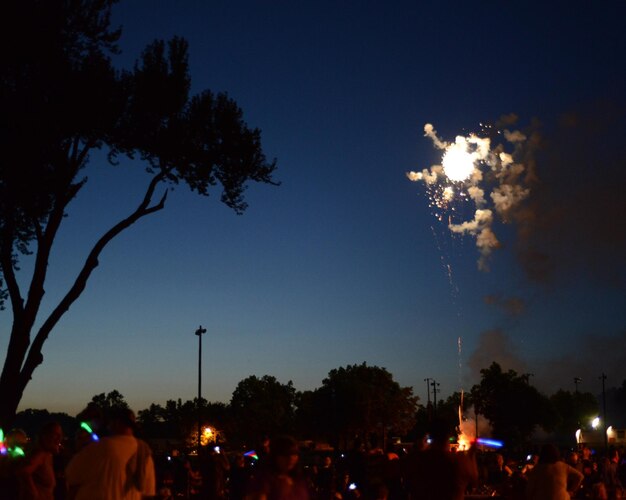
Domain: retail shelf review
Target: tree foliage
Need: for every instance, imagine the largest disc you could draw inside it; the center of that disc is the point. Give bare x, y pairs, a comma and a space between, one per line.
616, 405
32, 421
513, 406
262, 406
62, 98
574, 410
110, 402
364, 401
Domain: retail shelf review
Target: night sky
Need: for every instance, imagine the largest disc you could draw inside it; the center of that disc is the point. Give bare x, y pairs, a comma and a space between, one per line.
344, 262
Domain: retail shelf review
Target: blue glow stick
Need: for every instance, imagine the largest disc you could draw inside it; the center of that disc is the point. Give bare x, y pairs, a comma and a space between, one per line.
490, 442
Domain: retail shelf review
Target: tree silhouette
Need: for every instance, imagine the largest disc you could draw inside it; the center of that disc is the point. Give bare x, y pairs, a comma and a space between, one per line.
261, 406
363, 401
575, 411
109, 403
513, 406
62, 99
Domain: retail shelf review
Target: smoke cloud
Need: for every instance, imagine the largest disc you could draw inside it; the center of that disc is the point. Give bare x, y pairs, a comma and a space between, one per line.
585, 357
495, 346
512, 306
572, 226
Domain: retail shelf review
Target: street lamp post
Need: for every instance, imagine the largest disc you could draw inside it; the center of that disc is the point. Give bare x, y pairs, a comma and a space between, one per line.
199, 333
577, 380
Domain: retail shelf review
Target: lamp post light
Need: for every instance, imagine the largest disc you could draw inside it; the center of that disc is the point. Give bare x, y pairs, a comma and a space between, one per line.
199, 332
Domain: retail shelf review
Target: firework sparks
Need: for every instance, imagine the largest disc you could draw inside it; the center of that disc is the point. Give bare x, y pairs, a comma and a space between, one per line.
474, 172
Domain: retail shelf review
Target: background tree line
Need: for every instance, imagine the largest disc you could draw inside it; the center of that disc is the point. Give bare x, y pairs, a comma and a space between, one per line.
364, 403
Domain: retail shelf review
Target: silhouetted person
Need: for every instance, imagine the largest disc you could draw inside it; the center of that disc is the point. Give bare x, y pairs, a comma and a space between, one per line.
119, 466
609, 475
281, 479
436, 473
238, 478
214, 467
37, 475
326, 479
551, 478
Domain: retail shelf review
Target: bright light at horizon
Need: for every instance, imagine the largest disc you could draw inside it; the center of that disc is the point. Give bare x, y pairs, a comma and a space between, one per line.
595, 422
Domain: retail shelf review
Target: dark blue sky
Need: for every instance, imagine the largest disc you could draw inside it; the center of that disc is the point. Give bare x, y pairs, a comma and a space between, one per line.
344, 262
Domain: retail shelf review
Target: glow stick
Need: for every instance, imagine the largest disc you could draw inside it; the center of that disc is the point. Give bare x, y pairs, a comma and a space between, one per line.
16, 452
86, 427
490, 442
13, 452
3, 448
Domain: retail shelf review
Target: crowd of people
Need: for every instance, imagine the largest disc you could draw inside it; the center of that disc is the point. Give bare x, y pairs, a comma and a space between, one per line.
119, 465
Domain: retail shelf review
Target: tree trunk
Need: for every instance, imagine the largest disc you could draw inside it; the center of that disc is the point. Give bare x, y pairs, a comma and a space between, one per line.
12, 383
10, 394
24, 356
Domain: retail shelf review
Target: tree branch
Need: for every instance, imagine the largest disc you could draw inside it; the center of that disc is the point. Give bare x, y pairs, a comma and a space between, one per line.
6, 260
46, 238
34, 354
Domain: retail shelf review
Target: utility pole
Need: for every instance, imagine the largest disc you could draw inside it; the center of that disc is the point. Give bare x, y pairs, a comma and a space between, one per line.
427, 380
199, 333
577, 380
435, 385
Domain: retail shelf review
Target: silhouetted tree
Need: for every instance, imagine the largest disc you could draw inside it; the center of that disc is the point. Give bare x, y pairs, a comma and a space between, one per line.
448, 410
31, 421
616, 406
62, 99
178, 420
262, 406
113, 400
513, 406
109, 403
308, 415
152, 422
364, 401
574, 409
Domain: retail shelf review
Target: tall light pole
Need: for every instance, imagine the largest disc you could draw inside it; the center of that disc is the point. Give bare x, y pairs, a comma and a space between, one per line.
199, 333
577, 380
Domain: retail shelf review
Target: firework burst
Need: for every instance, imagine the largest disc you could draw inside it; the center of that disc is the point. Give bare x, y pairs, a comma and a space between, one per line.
474, 171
